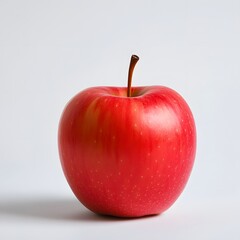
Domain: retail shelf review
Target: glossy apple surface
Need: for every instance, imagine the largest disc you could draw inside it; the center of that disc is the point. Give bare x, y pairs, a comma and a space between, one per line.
127, 156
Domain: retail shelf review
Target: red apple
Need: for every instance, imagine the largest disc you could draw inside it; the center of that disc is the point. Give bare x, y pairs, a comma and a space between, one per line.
127, 152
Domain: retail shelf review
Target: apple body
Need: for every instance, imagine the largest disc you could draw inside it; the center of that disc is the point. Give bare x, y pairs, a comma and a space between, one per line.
127, 156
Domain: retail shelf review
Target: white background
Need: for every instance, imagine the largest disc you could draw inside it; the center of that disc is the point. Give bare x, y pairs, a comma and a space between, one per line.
50, 50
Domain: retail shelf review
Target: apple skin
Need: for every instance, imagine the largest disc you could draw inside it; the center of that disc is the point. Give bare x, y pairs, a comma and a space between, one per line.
127, 156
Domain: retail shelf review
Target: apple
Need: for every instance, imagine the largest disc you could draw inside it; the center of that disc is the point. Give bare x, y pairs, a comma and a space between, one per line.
127, 151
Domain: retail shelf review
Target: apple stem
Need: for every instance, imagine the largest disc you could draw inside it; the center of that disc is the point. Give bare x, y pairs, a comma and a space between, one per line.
133, 61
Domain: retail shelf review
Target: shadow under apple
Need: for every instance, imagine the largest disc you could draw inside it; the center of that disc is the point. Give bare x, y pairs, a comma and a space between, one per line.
56, 209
